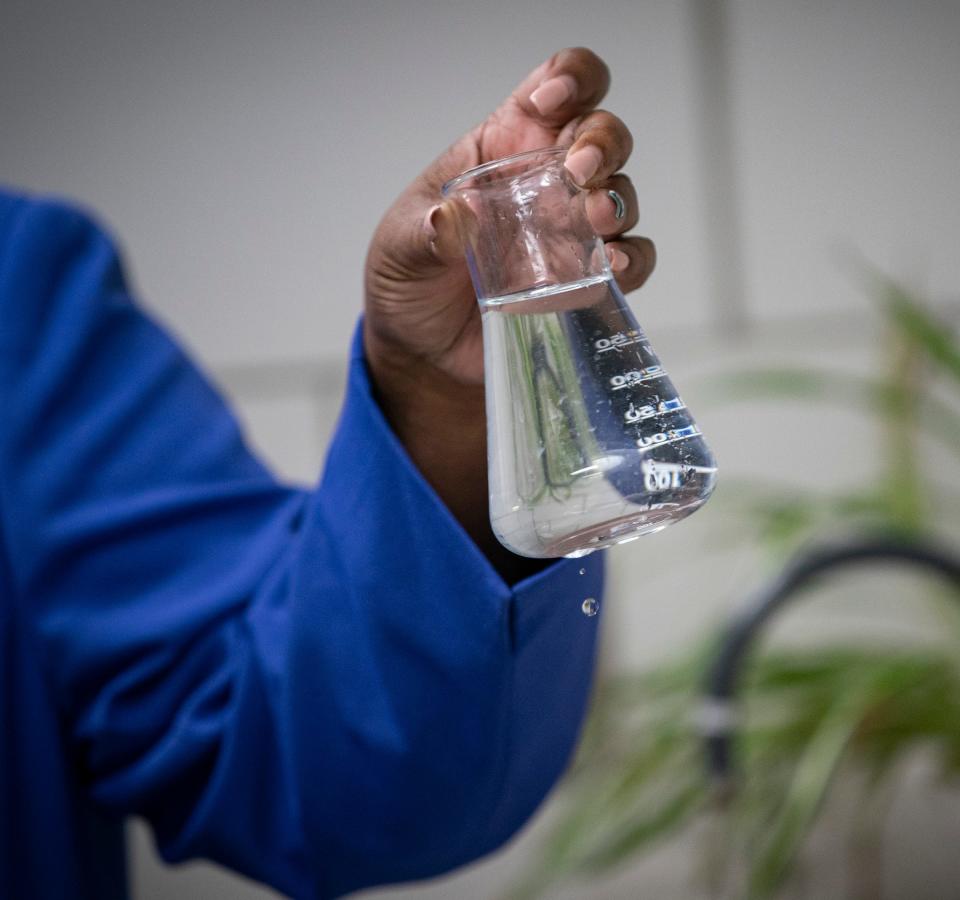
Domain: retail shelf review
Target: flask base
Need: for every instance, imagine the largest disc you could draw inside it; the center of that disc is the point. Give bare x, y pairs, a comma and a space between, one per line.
607, 534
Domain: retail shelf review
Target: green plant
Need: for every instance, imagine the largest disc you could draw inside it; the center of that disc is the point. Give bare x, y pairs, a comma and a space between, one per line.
808, 714
920, 358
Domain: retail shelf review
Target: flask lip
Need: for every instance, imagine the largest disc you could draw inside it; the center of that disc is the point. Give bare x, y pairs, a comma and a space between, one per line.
548, 155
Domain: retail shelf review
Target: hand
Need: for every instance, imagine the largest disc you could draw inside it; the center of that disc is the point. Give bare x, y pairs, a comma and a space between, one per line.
422, 333
419, 299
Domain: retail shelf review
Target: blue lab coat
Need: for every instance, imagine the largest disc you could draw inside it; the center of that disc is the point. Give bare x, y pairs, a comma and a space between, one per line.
323, 689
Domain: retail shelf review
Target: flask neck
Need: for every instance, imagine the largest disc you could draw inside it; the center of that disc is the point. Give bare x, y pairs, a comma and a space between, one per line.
524, 226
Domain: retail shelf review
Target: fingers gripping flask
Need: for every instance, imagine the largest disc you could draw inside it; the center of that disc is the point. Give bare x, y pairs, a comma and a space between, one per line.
589, 444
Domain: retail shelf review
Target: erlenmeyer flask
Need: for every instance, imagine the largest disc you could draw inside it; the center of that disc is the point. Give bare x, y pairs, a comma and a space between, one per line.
589, 444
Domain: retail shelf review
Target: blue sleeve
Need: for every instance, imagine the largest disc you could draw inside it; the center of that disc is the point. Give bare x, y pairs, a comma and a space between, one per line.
323, 690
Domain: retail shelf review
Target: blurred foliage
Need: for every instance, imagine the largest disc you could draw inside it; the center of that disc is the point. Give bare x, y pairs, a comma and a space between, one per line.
640, 775
913, 401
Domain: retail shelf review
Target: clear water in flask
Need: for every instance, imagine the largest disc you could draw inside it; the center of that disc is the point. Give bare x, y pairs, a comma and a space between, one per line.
589, 442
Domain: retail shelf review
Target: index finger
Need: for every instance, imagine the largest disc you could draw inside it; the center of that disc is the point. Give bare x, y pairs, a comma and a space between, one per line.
568, 84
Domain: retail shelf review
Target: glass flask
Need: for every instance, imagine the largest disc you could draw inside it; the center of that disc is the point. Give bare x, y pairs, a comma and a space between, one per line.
589, 444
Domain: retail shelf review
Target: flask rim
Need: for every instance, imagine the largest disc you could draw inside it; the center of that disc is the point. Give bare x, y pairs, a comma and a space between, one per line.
549, 154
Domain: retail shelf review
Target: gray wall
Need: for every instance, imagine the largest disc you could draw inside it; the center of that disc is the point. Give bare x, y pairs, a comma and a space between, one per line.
244, 151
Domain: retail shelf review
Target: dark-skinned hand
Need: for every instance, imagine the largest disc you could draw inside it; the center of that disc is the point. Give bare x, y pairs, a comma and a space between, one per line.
422, 334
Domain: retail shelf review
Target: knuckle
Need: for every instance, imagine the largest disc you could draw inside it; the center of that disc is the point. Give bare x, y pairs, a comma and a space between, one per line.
624, 187
603, 119
584, 56
609, 128
627, 282
588, 64
650, 254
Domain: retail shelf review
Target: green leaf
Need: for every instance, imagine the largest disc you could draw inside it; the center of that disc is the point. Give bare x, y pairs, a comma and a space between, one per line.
817, 766
933, 336
634, 798
664, 819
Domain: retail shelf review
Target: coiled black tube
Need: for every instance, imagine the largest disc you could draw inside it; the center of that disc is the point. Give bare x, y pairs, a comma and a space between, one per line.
718, 719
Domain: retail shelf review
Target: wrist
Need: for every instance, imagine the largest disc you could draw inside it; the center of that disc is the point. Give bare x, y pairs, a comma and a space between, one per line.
440, 421
419, 398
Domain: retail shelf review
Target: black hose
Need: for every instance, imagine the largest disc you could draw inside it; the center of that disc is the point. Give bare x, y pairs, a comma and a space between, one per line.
718, 713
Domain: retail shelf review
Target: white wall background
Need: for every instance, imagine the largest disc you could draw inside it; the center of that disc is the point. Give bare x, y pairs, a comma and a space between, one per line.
243, 151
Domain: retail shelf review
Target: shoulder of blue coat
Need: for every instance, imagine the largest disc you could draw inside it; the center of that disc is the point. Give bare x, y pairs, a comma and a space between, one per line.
36, 226
10, 205
44, 215
54, 257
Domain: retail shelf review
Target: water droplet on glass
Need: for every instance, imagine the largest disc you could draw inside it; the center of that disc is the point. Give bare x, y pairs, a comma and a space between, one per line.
590, 606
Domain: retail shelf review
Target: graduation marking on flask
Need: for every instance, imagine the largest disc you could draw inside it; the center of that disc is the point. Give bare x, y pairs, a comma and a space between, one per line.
619, 340
636, 376
651, 410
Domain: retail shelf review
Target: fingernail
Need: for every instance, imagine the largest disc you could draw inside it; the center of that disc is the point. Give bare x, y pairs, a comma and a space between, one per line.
553, 93
429, 222
618, 259
583, 164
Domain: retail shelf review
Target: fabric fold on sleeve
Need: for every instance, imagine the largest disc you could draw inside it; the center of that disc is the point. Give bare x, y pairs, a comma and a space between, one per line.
439, 671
